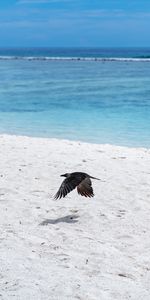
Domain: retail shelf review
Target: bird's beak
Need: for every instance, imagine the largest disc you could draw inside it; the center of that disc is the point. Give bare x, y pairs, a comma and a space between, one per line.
63, 175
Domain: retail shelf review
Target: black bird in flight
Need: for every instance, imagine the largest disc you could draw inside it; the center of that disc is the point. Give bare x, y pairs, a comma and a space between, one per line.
77, 179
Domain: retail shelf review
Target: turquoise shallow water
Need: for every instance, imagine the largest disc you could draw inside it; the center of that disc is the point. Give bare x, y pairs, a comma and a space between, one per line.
94, 101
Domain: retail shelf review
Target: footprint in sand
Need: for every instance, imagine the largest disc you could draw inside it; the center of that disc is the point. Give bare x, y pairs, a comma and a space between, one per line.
121, 213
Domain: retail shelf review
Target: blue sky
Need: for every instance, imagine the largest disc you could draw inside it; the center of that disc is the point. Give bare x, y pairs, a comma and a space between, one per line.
80, 23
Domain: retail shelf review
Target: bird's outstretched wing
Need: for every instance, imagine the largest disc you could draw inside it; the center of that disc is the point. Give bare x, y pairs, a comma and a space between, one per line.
85, 188
67, 186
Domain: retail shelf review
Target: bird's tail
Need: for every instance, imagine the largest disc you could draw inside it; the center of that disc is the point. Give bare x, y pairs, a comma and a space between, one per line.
94, 178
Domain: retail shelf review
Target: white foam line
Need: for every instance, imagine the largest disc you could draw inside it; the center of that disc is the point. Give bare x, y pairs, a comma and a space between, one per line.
101, 59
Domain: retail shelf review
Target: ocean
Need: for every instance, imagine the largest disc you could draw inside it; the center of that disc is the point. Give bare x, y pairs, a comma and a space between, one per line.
92, 95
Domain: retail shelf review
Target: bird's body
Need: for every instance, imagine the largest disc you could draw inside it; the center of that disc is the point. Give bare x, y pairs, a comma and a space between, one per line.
77, 179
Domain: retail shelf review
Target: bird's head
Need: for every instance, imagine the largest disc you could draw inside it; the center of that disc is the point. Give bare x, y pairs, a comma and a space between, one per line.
65, 175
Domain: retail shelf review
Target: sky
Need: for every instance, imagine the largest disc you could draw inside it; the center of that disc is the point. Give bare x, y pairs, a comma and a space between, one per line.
74, 23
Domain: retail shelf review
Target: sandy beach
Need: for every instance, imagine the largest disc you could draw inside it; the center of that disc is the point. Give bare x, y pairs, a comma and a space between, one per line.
76, 247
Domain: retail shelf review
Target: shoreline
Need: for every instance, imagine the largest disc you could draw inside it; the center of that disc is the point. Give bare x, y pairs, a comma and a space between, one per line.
72, 141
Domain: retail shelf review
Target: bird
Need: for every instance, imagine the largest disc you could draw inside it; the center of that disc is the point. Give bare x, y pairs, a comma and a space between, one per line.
76, 179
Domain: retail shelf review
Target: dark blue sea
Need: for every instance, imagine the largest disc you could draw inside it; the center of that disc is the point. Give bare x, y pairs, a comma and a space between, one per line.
93, 95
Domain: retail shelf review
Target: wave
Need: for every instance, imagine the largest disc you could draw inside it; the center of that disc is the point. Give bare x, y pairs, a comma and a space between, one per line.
101, 59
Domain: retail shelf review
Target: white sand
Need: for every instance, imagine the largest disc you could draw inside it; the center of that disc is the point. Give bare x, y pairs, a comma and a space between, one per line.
76, 247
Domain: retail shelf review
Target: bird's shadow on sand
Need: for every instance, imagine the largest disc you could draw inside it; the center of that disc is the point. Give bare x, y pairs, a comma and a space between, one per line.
67, 219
